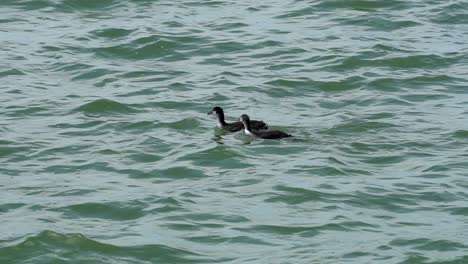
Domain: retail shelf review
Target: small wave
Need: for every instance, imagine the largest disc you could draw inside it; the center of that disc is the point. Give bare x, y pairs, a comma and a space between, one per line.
393, 202
8, 151
302, 12
358, 126
357, 254
403, 62
388, 47
428, 245
451, 13
138, 126
112, 33
309, 231
91, 5
204, 219
150, 51
86, 124
19, 111
459, 211
70, 67
461, 134
290, 195
222, 47
92, 74
374, 147
230, 26
74, 192
289, 83
109, 211
214, 239
11, 72
186, 123
143, 48
447, 166
283, 66
181, 173
385, 84
166, 205
33, 4
360, 4
4, 208
349, 83
52, 247
324, 171
395, 84
217, 156
208, 3
276, 52
384, 160
105, 106
139, 74
191, 226
96, 166
424, 97
380, 24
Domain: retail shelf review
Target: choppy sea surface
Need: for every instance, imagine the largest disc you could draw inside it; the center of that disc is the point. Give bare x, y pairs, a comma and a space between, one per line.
107, 154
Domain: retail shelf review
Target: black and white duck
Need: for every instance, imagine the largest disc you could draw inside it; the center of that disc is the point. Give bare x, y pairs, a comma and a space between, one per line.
265, 134
236, 126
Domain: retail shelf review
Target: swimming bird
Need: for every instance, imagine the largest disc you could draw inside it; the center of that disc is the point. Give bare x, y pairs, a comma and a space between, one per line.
266, 134
236, 126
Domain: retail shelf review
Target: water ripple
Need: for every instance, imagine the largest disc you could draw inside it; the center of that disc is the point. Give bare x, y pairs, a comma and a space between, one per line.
105, 106
45, 246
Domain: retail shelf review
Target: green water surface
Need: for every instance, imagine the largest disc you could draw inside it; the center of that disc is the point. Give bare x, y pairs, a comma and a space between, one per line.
107, 154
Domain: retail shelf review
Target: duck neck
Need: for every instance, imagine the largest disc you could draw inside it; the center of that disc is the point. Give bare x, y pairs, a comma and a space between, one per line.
247, 128
221, 121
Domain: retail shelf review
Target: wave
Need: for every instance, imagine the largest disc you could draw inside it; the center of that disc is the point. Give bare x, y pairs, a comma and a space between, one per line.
216, 156
425, 244
361, 4
312, 230
105, 106
93, 5
180, 173
109, 211
92, 74
53, 247
379, 24
460, 134
147, 51
11, 72
166, 47
290, 195
306, 85
430, 61
112, 33
64, 5
358, 126
4, 208
186, 123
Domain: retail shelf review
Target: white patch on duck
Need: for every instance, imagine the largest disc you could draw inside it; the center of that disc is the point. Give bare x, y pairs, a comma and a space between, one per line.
220, 125
247, 132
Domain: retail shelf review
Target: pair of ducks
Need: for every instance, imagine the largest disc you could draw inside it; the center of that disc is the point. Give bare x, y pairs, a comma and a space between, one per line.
251, 127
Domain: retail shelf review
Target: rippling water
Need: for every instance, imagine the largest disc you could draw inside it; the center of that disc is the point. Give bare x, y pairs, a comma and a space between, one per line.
107, 154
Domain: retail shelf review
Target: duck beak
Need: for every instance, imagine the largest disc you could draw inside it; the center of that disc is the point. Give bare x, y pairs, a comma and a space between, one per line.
210, 112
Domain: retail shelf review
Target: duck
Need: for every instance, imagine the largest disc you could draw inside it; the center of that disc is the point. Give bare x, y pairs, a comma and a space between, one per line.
236, 126
265, 134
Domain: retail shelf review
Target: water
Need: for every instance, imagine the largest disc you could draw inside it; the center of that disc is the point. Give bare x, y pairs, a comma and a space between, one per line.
107, 154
